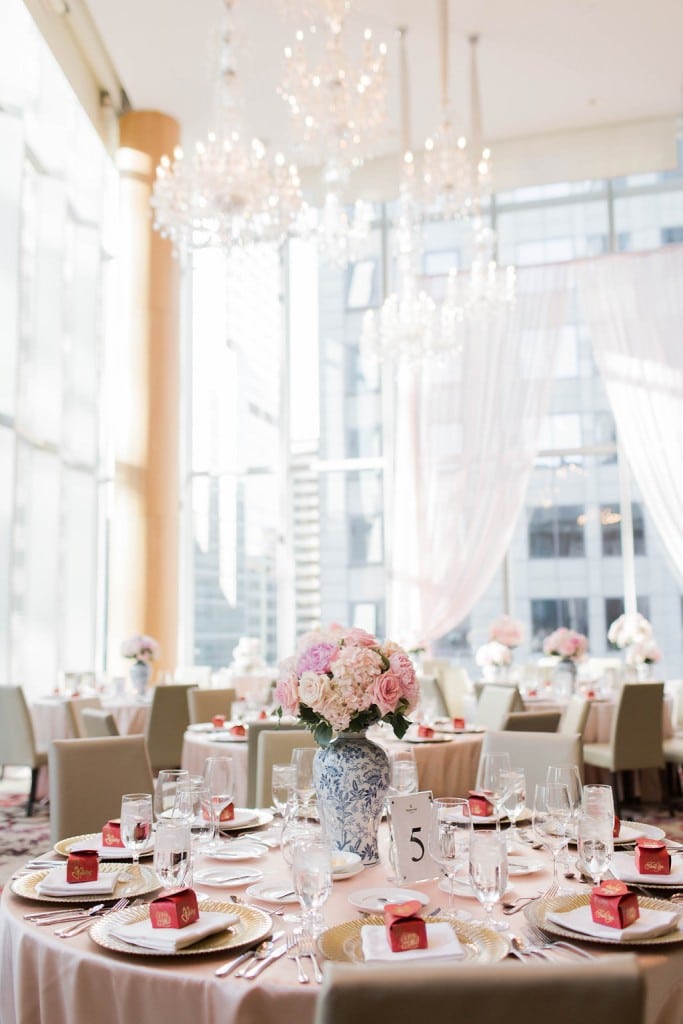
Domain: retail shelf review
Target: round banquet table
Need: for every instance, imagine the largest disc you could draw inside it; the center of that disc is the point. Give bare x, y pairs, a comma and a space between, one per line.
446, 768
47, 980
51, 722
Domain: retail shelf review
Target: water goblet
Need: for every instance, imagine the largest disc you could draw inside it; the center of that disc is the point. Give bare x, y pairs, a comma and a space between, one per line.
595, 845
403, 778
568, 775
193, 807
514, 800
489, 872
312, 877
136, 830
492, 779
165, 790
551, 820
173, 852
283, 784
296, 829
448, 841
302, 760
218, 775
597, 801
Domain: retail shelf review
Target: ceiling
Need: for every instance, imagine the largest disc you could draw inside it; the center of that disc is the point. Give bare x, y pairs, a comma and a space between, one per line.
545, 65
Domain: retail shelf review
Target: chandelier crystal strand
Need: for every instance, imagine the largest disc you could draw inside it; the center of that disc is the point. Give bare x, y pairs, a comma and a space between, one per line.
228, 191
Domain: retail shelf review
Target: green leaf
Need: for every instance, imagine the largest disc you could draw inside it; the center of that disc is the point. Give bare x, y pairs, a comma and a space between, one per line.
322, 734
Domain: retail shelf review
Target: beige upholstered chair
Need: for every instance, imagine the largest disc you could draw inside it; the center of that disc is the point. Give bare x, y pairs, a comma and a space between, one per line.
17, 739
74, 710
610, 988
496, 703
575, 716
255, 729
430, 694
635, 740
89, 777
275, 747
533, 721
97, 722
454, 683
168, 719
534, 751
204, 704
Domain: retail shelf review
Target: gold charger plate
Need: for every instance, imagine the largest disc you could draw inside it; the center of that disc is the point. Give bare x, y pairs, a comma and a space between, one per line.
480, 944
536, 913
254, 926
26, 886
63, 847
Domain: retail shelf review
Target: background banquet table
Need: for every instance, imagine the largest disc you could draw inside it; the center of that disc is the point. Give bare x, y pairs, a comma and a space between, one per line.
51, 721
47, 980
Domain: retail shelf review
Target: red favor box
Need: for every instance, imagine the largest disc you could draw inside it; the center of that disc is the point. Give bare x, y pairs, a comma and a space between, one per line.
614, 905
480, 805
174, 908
652, 857
238, 730
458, 723
616, 828
228, 813
425, 732
218, 721
262, 716
111, 833
405, 929
82, 866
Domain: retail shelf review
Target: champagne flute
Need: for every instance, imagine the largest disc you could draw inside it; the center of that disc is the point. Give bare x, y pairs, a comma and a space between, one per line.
302, 759
296, 829
568, 775
283, 782
552, 814
312, 876
172, 852
218, 775
489, 872
165, 791
514, 800
596, 846
492, 780
136, 829
448, 841
193, 806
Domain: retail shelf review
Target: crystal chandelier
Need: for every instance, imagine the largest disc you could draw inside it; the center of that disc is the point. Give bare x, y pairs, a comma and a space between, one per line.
227, 192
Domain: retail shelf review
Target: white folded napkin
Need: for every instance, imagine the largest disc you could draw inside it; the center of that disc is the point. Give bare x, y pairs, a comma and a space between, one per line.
109, 852
55, 884
649, 924
624, 867
442, 942
169, 940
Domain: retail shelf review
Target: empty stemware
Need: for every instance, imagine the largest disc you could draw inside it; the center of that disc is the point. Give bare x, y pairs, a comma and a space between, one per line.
450, 829
136, 830
489, 872
173, 852
492, 779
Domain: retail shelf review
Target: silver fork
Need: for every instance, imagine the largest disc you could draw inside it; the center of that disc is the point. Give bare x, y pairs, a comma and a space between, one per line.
306, 949
293, 953
551, 891
82, 926
541, 940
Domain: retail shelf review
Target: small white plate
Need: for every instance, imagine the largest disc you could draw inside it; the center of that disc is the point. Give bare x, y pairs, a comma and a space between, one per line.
632, 830
227, 737
246, 817
273, 891
523, 866
228, 880
238, 849
200, 727
373, 901
436, 738
345, 864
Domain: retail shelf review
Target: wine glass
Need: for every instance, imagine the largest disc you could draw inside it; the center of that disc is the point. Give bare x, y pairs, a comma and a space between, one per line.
492, 780
165, 791
283, 782
598, 802
448, 841
596, 846
136, 829
193, 806
568, 775
302, 759
312, 876
296, 829
514, 800
172, 852
552, 815
402, 772
489, 872
218, 775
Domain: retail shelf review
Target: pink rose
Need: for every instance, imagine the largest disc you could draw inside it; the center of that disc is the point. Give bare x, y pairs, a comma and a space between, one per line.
287, 693
359, 638
313, 689
386, 692
317, 658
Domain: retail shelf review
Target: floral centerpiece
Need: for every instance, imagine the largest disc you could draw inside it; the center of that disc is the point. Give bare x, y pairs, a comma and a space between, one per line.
344, 680
644, 653
493, 655
506, 630
566, 644
143, 650
629, 629
341, 681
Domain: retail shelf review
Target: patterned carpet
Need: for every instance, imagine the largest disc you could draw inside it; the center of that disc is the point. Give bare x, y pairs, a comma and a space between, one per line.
20, 837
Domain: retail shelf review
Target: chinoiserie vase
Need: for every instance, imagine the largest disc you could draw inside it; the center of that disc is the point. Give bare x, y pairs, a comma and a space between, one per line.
644, 671
140, 672
351, 779
564, 678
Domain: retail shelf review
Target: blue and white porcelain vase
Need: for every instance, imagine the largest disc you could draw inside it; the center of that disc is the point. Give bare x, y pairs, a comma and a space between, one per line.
140, 672
351, 779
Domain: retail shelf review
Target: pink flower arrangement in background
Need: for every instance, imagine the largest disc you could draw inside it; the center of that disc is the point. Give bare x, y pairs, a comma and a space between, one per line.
344, 680
566, 643
141, 648
644, 653
506, 630
629, 628
493, 655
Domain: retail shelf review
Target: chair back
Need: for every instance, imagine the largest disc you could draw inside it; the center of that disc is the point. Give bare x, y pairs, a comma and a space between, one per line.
255, 729
275, 747
636, 734
168, 719
496, 703
430, 693
204, 704
99, 722
533, 721
17, 739
575, 716
610, 988
89, 777
534, 751
455, 685
75, 707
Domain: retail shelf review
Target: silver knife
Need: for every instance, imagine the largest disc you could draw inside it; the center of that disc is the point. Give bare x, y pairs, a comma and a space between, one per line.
231, 965
254, 972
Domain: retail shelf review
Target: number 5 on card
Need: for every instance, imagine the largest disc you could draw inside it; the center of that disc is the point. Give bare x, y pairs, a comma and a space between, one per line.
409, 817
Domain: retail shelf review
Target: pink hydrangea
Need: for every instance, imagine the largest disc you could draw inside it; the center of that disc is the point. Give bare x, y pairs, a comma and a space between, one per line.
506, 630
317, 658
402, 666
566, 643
355, 671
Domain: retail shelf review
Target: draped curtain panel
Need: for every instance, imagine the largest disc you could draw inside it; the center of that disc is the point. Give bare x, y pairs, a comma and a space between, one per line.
465, 431
633, 305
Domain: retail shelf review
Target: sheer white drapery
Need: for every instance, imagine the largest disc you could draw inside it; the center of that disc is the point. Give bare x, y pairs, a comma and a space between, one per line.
633, 305
465, 432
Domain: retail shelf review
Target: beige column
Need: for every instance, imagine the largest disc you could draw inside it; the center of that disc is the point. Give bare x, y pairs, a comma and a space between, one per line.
143, 567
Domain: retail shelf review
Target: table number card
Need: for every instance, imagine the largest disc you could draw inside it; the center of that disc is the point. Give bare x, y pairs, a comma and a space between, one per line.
410, 816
